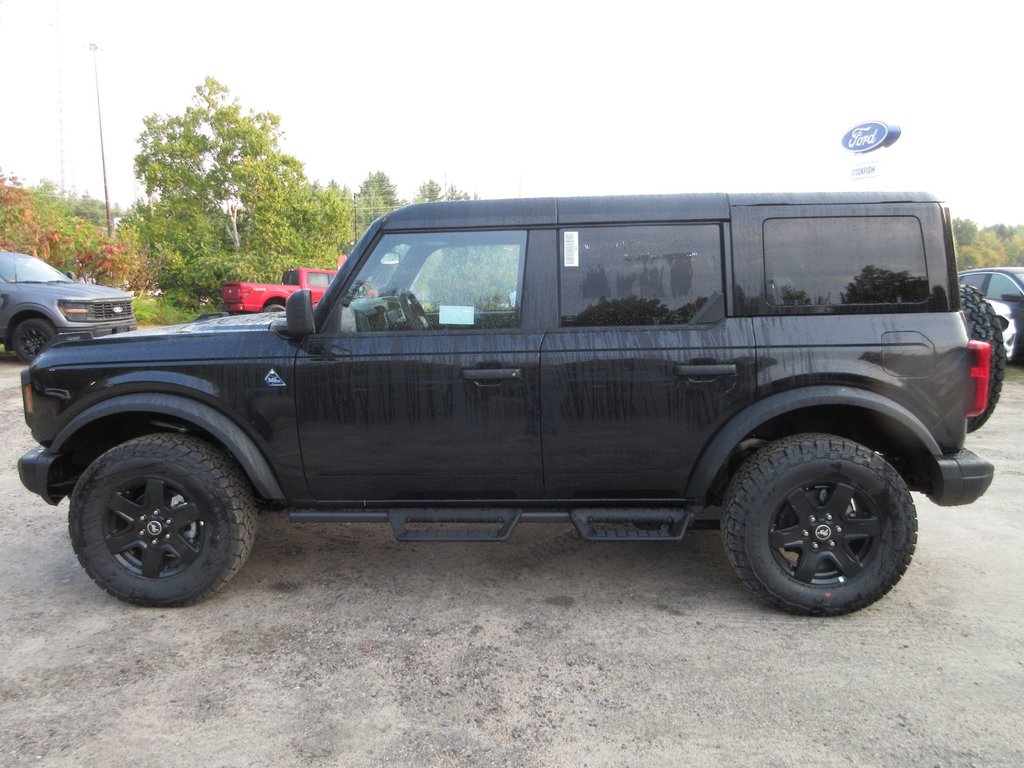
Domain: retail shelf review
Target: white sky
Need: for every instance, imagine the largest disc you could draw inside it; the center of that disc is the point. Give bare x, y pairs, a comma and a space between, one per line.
539, 98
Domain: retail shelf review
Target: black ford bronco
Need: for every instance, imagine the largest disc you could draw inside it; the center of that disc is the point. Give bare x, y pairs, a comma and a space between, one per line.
786, 368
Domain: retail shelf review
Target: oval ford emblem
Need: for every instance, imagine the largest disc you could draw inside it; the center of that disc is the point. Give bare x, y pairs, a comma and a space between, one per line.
118, 310
869, 136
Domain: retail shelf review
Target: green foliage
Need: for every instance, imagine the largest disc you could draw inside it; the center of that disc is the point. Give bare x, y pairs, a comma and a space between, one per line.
161, 310
376, 196
996, 246
224, 203
431, 192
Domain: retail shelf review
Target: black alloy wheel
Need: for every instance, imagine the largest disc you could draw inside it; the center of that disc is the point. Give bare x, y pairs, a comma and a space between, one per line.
817, 524
162, 519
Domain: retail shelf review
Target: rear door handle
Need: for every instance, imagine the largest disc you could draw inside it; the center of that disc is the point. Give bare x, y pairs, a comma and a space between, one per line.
699, 371
491, 375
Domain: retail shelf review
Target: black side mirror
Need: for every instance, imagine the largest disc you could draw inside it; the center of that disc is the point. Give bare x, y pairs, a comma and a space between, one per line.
298, 311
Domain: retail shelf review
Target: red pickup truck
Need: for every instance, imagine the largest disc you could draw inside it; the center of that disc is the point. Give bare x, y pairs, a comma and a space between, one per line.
265, 297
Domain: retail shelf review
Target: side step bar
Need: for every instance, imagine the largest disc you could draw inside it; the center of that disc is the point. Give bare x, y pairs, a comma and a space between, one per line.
630, 524
497, 523
452, 524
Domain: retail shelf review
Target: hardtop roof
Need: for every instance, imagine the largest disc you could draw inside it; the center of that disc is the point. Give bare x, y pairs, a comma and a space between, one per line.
558, 211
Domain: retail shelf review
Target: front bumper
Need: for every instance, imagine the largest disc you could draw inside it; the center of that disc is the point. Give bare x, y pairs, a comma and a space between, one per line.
960, 479
34, 469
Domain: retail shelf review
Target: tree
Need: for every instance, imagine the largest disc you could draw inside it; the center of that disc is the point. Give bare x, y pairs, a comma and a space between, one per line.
64, 231
431, 192
223, 201
376, 196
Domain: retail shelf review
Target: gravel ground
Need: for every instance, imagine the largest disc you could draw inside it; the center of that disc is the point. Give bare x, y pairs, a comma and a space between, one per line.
336, 645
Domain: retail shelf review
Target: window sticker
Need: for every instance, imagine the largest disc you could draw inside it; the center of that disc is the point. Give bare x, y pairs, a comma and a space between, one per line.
454, 315
571, 248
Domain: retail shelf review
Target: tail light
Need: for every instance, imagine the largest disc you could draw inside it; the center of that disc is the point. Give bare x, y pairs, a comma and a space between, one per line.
980, 373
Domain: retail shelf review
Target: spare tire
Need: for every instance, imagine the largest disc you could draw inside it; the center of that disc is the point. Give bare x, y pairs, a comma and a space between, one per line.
983, 325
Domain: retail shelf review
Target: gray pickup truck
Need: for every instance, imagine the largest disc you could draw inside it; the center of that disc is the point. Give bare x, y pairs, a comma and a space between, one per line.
37, 303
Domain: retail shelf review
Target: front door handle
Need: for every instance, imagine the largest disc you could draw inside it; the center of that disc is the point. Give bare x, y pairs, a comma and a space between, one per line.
491, 375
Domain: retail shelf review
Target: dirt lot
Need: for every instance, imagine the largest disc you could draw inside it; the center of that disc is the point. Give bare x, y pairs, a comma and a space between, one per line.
336, 645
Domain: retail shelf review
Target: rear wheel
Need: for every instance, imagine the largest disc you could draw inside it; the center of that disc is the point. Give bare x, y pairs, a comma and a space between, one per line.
162, 520
983, 325
273, 306
818, 525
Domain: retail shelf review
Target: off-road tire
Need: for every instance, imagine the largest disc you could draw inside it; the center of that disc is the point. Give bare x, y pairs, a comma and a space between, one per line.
818, 525
162, 520
30, 336
983, 325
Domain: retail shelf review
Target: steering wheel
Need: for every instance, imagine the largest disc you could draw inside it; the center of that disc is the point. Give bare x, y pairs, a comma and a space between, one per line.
413, 311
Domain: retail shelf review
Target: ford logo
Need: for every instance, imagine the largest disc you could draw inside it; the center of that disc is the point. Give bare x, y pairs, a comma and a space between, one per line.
118, 310
869, 136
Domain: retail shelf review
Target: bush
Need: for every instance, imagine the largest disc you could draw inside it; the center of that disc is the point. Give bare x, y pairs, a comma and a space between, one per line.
161, 310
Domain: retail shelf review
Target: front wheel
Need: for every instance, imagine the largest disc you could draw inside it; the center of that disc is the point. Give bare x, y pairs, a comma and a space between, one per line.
162, 520
818, 525
30, 336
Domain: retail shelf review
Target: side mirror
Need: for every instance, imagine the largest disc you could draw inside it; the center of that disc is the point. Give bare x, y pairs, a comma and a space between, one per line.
298, 311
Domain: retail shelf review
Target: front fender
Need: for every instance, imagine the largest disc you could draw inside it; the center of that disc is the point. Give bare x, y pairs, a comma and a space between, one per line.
226, 432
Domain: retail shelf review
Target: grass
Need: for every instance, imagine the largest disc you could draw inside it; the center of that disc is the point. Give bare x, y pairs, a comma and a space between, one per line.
158, 310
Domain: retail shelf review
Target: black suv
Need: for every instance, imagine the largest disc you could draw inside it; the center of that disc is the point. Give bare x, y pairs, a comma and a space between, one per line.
784, 367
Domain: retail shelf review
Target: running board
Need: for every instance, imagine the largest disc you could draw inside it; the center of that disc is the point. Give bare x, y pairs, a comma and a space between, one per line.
452, 524
594, 523
630, 524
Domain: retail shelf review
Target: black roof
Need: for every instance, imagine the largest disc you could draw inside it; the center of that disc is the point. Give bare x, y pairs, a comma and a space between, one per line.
554, 211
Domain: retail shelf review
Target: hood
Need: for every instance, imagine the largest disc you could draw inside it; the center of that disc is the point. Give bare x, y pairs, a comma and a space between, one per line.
221, 338
73, 291
212, 325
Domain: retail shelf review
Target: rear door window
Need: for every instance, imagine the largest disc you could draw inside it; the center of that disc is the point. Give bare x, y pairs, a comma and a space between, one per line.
639, 275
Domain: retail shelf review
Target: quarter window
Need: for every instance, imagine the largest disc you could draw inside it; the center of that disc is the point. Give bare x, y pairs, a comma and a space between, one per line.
639, 275
843, 261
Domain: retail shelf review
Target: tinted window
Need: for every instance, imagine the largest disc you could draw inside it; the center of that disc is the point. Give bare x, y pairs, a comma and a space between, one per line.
448, 280
640, 275
999, 284
844, 261
976, 279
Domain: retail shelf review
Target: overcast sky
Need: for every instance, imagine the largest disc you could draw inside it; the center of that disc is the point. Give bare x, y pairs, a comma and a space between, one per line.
536, 99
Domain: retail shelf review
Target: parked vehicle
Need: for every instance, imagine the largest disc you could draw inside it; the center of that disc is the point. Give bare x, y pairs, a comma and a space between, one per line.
1008, 325
37, 303
787, 368
242, 298
1004, 285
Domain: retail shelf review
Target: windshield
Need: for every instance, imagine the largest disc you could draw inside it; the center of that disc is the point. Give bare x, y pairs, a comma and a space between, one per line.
22, 268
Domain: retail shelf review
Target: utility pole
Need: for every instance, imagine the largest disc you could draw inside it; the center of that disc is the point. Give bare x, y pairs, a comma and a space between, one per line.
103, 155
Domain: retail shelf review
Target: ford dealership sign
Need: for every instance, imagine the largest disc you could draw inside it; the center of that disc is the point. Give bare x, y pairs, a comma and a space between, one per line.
865, 137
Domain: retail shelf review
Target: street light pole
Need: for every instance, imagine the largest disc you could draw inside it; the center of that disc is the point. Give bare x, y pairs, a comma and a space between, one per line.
103, 155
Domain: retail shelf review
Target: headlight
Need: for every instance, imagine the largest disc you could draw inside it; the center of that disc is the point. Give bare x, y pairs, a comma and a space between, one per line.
74, 310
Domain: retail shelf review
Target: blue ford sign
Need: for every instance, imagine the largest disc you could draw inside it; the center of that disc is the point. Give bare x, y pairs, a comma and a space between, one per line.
865, 137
